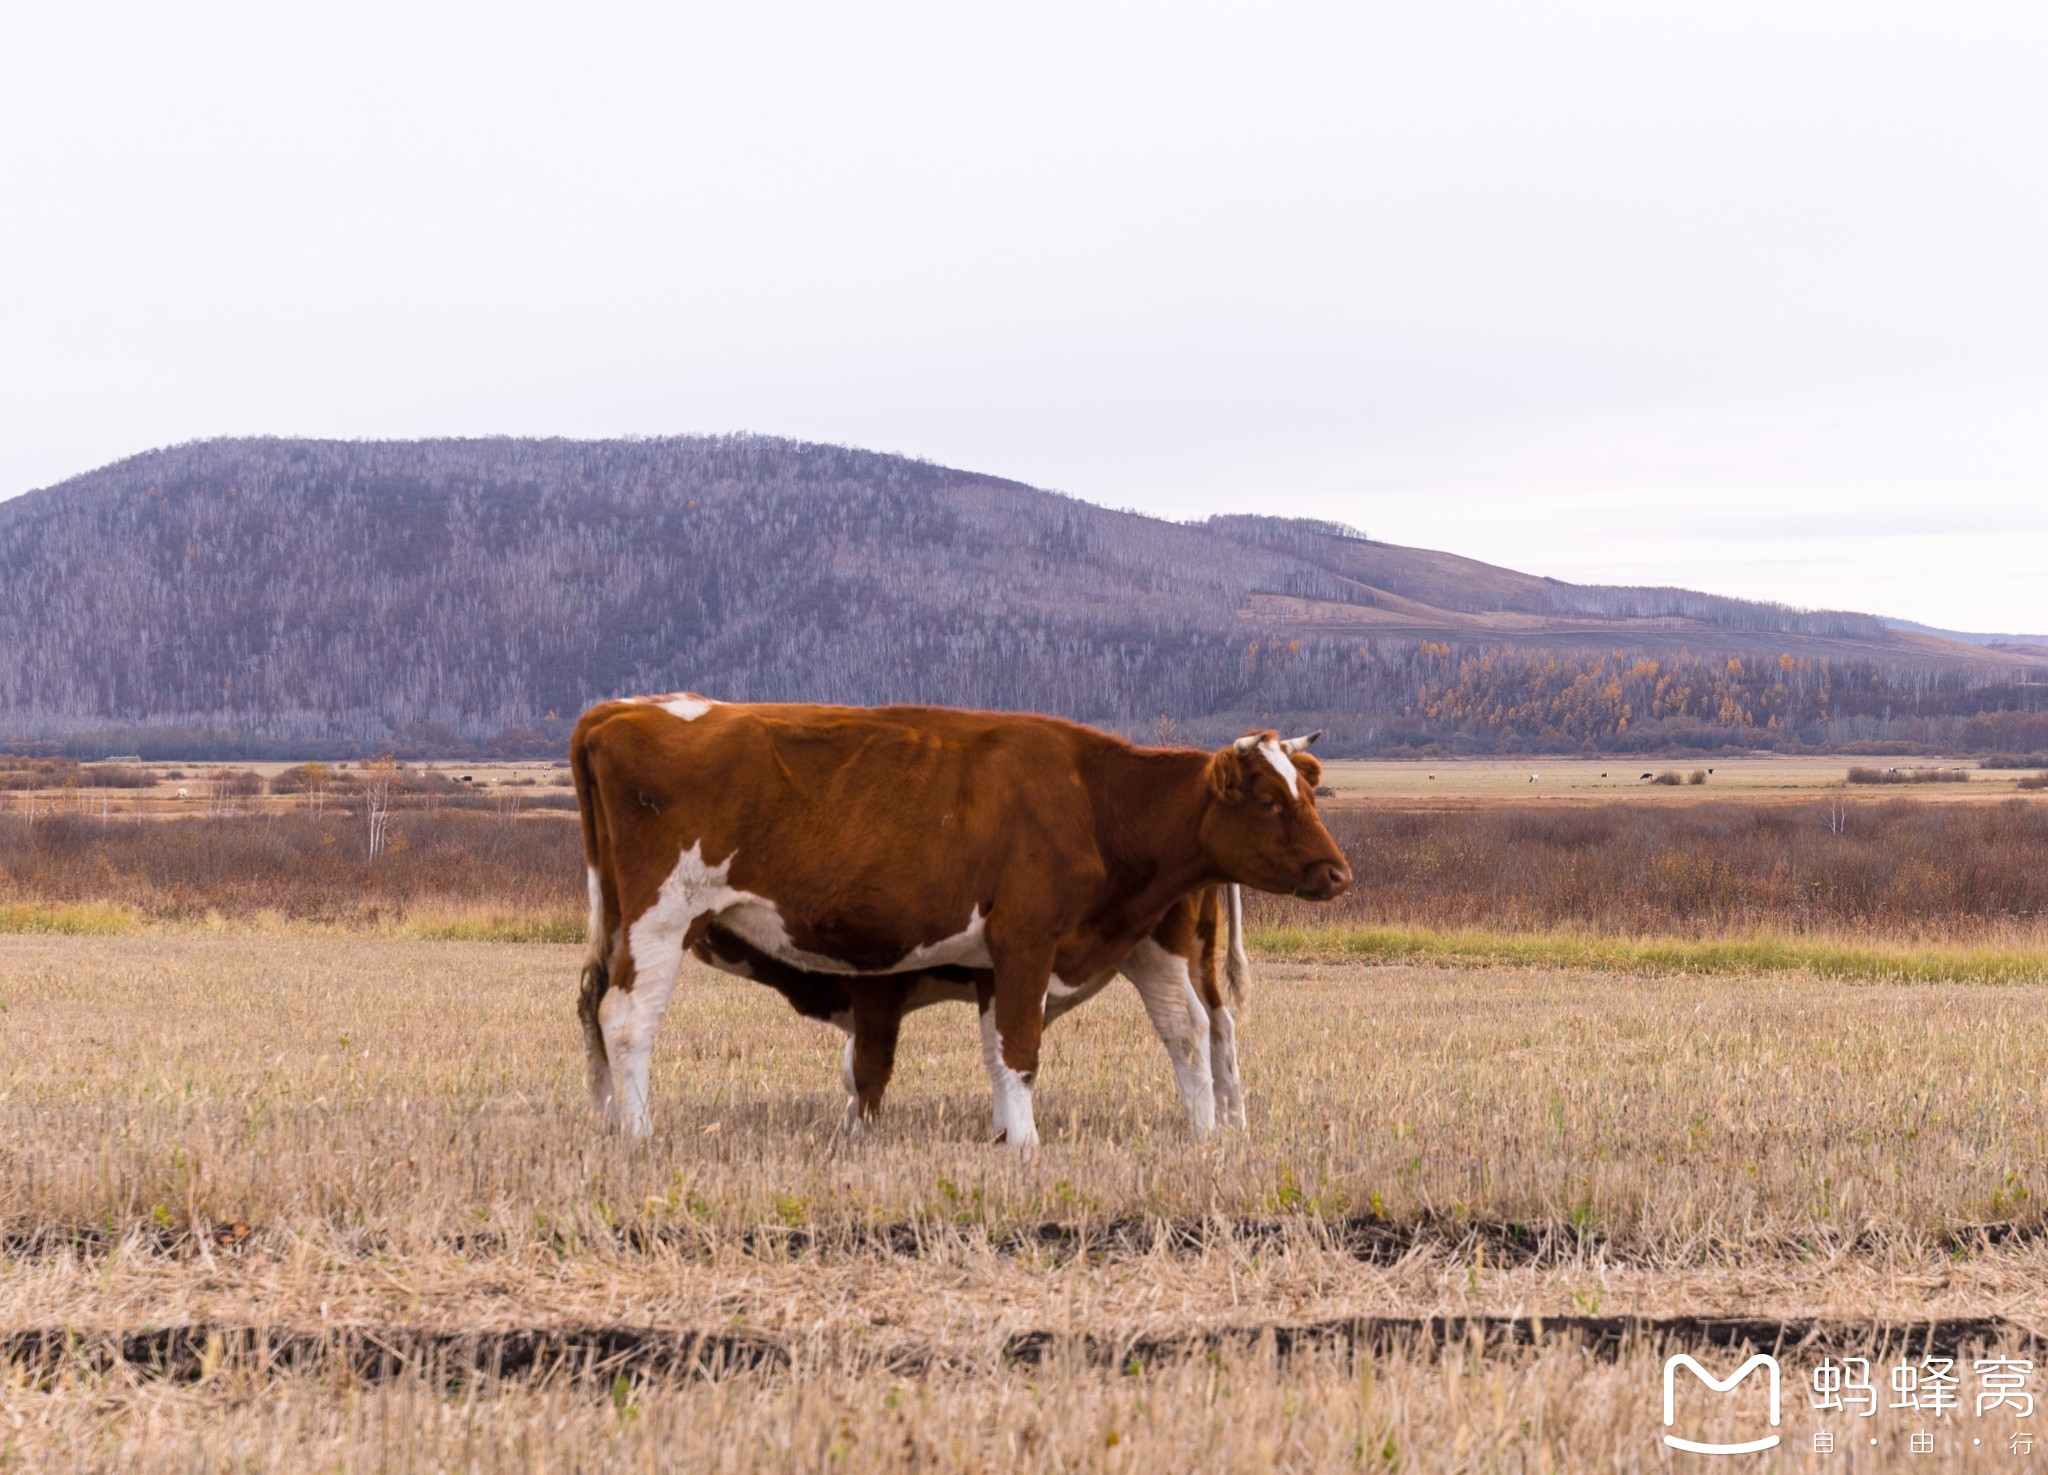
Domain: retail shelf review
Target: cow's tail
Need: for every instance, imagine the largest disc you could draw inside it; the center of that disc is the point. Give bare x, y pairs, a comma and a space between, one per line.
597, 973
1237, 963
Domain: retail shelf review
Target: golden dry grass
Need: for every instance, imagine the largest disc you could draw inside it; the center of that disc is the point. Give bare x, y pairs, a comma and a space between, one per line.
401, 1125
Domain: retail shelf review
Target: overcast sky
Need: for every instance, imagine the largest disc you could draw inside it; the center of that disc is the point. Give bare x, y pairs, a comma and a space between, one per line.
1752, 298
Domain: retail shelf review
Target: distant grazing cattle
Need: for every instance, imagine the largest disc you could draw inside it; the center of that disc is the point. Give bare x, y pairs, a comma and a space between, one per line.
1649, 775
873, 843
1535, 777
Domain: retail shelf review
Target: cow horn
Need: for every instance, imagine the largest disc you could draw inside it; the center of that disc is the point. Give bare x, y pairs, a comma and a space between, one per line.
1295, 745
1246, 743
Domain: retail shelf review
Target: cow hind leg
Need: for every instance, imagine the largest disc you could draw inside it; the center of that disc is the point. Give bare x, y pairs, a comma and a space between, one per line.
1182, 1023
597, 1067
628, 1019
1223, 1061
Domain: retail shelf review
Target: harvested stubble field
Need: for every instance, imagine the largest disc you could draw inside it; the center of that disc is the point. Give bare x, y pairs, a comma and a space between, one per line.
337, 1203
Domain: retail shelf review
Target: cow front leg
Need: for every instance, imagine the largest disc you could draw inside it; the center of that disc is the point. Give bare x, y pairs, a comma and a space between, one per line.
1012, 1023
1181, 1021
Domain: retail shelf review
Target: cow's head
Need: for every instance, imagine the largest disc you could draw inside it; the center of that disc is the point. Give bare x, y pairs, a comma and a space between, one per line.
1263, 829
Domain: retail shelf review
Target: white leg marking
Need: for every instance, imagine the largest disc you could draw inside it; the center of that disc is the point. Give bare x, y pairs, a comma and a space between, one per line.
597, 1071
849, 1121
1223, 1060
1181, 1022
629, 1021
656, 939
1014, 1122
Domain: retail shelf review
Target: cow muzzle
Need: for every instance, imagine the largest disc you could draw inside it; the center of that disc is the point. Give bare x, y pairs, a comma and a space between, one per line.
1324, 880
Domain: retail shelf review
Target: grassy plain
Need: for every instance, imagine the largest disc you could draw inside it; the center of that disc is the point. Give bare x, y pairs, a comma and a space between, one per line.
305, 1147
295, 1170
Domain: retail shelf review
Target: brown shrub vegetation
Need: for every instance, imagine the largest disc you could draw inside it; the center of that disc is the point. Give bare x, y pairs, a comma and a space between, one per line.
1895, 867
1908, 776
1891, 868
59, 773
303, 866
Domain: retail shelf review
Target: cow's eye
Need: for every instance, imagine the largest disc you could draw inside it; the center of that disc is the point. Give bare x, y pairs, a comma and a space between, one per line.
1267, 803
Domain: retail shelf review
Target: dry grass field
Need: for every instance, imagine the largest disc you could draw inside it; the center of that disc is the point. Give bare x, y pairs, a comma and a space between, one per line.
337, 1203
1583, 1073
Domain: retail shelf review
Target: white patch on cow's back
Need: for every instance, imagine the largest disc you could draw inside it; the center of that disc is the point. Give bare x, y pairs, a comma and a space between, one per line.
687, 705
1282, 764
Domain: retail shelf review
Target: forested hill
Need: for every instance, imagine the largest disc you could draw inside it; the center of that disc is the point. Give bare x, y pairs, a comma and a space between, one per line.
305, 597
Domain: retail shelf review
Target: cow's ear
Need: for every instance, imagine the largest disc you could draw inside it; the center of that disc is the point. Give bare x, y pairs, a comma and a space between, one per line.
1227, 774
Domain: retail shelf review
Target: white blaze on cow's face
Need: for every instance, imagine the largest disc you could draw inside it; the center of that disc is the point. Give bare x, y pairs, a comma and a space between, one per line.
1282, 764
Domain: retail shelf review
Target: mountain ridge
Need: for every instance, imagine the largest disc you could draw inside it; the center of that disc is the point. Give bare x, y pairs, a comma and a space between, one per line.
351, 594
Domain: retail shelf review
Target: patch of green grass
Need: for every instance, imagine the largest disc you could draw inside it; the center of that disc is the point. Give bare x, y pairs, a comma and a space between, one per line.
72, 919
494, 927
1823, 957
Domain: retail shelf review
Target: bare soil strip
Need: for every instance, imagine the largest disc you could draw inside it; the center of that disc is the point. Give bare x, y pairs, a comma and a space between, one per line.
602, 1354
1364, 1238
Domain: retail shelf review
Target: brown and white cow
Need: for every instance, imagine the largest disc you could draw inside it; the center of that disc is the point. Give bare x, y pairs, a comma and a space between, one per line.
875, 843
1188, 973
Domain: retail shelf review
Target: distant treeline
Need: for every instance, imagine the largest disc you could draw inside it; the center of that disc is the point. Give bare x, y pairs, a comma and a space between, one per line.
280, 598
